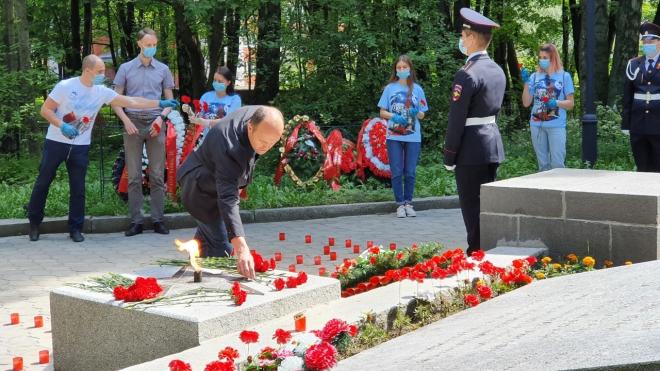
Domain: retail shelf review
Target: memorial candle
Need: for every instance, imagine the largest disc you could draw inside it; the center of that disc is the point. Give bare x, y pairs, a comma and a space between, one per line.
349, 243
38, 321
331, 241
317, 260
18, 363
282, 236
326, 250
44, 357
14, 318
299, 259
333, 255
278, 256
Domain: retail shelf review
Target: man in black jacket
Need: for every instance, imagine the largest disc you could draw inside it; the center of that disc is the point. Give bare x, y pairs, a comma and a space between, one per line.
641, 101
473, 146
211, 177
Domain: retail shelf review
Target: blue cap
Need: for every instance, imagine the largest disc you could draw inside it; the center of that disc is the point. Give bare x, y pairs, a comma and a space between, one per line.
649, 31
476, 21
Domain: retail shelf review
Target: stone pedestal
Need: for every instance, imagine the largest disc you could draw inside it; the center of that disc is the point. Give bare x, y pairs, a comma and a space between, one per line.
92, 331
605, 214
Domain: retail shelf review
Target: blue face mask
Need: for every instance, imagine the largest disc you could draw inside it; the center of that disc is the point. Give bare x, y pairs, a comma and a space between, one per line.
649, 50
403, 74
219, 86
99, 79
462, 47
149, 52
544, 64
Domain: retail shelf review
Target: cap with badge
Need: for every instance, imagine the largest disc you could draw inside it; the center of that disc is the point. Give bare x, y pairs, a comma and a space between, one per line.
476, 21
649, 31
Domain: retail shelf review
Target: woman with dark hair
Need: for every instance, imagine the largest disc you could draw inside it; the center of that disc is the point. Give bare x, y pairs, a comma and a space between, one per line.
403, 104
221, 101
550, 92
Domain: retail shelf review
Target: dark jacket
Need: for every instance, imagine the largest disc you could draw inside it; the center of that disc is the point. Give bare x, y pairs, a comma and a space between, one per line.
478, 91
211, 176
641, 116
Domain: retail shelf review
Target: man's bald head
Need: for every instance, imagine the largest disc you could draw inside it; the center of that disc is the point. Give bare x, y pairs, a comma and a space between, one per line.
92, 65
265, 128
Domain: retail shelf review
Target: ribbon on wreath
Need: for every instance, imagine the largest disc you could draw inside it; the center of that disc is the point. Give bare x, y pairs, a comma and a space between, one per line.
372, 149
170, 159
332, 164
290, 143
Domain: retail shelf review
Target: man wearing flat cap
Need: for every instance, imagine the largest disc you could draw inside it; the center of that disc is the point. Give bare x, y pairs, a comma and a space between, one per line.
641, 101
473, 146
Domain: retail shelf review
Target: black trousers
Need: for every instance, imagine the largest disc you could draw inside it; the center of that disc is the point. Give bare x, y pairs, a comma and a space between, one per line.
469, 179
646, 151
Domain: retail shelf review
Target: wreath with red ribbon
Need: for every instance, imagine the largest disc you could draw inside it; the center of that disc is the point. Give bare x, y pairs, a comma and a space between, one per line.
299, 123
372, 149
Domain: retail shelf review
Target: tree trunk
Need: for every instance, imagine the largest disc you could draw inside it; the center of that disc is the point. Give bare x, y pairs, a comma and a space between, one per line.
627, 36
87, 22
477, 6
111, 43
233, 25
576, 26
458, 21
216, 37
23, 34
190, 62
565, 35
656, 19
74, 60
126, 14
601, 52
163, 34
487, 8
267, 84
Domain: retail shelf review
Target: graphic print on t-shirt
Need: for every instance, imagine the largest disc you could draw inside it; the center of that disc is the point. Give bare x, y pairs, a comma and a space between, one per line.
398, 106
216, 111
545, 90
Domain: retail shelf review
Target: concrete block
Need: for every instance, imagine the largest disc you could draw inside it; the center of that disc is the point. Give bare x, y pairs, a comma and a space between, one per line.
637, 244
623, 208
585, 238
497, 229
525, 201
110, 224
91, 331
14, 227
541, 232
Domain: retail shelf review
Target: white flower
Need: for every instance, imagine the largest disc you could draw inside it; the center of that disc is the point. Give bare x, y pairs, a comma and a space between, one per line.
306, 339
291, 364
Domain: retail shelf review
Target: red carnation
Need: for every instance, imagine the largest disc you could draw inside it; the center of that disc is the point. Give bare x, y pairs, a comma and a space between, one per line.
399, 256
267, 353
292, 282
518, 263
531, 260
142, 289
282, 336
279, 284
239, 295
471, 300
179, 365
205, 105
273, 263
220, 366
249, 336
423, 102
332, 329
484, 291
478, 255
301, 279
545, 99
229, 353
185, 99
372, 260
260, 265
321, 356
353, 330
374, 250
85, 120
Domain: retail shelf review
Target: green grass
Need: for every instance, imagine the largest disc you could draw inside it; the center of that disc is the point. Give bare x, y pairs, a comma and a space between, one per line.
17, 177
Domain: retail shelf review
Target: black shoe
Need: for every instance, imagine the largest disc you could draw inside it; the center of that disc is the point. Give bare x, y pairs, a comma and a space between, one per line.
133, 230
470, 250
159, 227
76, 236
34, 232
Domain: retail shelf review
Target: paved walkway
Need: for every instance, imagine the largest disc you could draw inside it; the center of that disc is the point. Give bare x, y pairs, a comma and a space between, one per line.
28, 270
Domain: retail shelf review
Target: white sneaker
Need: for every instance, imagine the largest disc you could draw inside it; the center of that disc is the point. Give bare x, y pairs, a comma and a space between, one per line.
401, 211
410, 211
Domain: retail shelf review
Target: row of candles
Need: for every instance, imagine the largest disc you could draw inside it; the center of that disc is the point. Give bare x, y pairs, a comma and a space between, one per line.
44, 355
326, 251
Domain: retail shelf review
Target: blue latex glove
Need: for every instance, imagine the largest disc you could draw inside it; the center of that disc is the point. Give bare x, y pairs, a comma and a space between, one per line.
165, 103
552, 103
398, 119
68, 130
413, 112
524, 75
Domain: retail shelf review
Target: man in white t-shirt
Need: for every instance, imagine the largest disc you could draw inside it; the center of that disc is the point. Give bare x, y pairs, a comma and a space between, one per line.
71, 110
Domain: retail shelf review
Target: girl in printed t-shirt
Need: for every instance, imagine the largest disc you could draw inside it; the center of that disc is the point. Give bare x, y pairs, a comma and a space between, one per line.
403, 104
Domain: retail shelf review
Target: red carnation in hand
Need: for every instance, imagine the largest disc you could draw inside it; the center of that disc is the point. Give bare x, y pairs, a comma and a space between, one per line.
279, 284
478, 255
85, 120
197, 105
301, 279
282, 336
249, 336
179, 365
185, 99
220, 366
321, 356
332, 329
471, 300
229, 353
485, 292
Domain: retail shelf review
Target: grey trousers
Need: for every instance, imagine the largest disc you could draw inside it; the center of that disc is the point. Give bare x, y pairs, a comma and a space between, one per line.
133, 145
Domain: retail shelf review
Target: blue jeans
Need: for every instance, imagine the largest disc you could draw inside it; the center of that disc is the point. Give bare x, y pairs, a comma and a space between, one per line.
213, 239
550, 147
76, 158
403, 158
